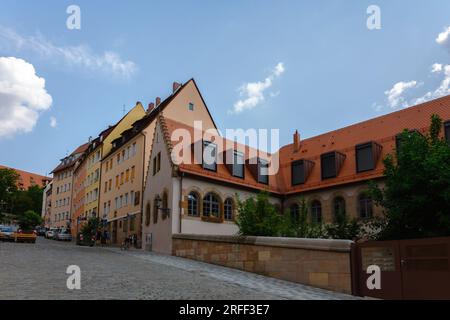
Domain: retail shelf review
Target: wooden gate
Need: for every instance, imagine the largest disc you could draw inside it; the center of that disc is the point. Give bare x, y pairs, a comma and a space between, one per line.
410, 269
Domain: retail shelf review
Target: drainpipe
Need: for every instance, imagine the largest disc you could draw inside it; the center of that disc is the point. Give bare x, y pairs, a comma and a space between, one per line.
141, 200
181, 199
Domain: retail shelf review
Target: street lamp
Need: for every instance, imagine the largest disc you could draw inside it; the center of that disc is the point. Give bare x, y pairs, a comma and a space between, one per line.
158, 201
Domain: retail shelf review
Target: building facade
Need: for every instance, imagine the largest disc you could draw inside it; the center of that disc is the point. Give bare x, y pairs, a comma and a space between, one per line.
47, 204
330, 172
62, 189
125, 168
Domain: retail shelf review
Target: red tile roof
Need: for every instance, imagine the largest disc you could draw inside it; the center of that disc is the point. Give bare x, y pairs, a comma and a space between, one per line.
381, 130
222, 173
28, 179
62, 165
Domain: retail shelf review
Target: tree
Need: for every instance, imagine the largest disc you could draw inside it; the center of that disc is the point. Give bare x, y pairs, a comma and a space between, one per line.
416, 195
28, 220
258, 217
343, 228
90, 228
8, 187
30, 199
299, 227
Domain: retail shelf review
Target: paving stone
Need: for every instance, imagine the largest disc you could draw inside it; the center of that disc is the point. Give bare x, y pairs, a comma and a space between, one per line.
38, 271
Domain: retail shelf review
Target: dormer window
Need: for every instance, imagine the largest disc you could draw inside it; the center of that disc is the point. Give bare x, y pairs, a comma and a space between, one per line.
238, 164
447, 131
209, 156
263, 171
367, 155
300, 171
331, 164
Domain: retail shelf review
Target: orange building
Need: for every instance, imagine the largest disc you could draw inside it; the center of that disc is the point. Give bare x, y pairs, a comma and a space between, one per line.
62, 188
28, 179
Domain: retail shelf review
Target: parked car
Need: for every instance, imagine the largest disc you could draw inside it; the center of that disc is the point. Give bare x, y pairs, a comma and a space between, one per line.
50, 234
25, 236
63, 235
83, 241
40, 231
6, 233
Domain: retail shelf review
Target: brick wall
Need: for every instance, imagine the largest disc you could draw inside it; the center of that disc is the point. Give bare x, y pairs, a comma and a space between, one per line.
315, 262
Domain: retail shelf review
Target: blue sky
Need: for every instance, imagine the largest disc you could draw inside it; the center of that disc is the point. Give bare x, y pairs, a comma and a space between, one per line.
335, 71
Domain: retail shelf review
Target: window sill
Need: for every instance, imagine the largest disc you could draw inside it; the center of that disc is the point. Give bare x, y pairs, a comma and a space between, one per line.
212, 219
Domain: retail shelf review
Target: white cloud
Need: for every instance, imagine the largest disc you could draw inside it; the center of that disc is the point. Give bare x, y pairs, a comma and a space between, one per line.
253, 92
80, 55
53, 122
436, 68
395, 95
22, 96
442, 90
444, 37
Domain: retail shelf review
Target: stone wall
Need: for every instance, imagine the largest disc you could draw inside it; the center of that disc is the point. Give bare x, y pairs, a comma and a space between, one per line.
320, 263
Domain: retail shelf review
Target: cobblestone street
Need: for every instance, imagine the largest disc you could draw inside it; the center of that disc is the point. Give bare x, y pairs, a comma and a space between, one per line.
37, 271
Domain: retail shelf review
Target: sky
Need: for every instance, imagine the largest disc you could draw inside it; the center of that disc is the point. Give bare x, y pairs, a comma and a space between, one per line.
314, 66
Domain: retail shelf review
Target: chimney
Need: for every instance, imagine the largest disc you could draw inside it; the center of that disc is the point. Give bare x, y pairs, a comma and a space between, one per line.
150, 108
296, 141
175, 86
158, 101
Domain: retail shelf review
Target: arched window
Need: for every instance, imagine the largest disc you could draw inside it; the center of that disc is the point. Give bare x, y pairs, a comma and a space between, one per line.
165, 205
339, 209
155, 211
193, 203
316, 211
147, 213
365, 206
228, 209
294, 211
211, 206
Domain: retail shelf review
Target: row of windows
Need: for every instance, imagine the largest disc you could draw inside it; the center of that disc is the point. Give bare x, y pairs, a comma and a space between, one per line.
124, 177
122, 201
62, 202
126, 154
93, 159
211, 206
61, 216
63, 175
63, 188
366, 156
237, 167
92, 178
364, 205
91, 196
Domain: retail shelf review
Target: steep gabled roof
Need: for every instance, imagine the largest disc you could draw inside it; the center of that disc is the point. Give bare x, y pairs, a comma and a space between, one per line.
381, 130
222, 174
69, 161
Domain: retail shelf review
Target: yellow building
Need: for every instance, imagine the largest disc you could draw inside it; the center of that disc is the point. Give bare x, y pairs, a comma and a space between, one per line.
124, 168
99, 147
